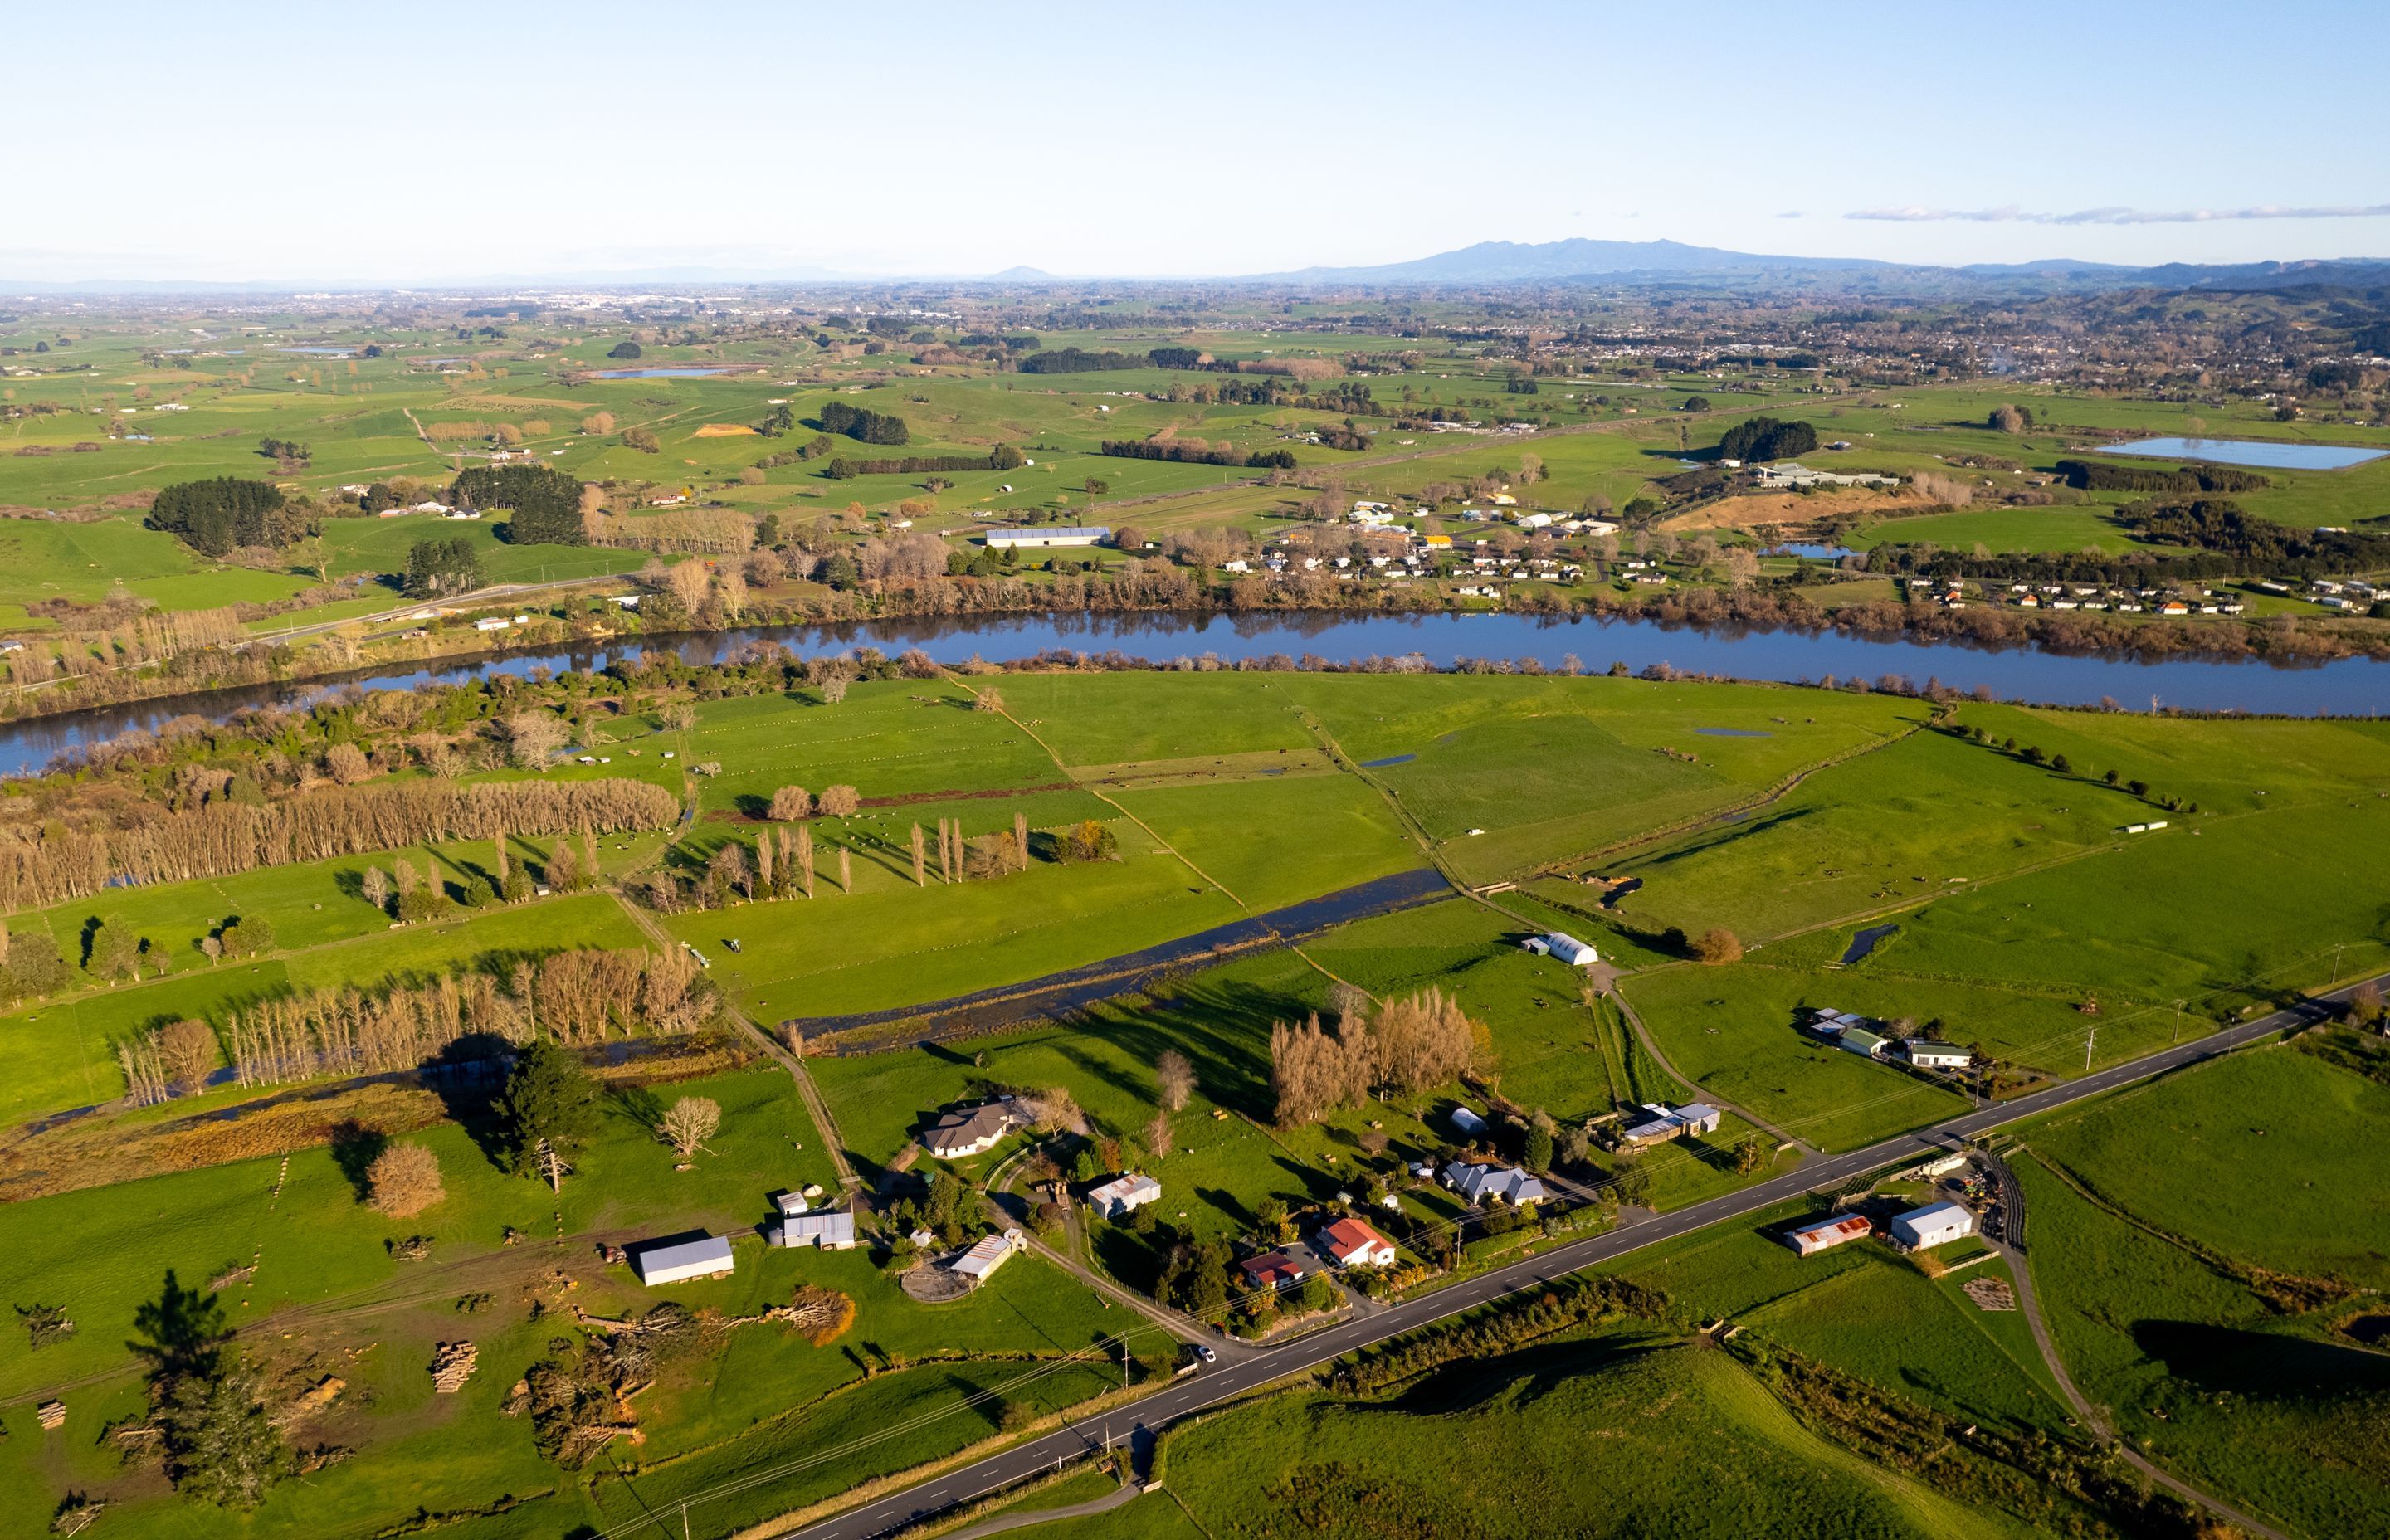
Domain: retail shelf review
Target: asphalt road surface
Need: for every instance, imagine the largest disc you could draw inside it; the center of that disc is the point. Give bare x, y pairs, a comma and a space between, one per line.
1230, 1380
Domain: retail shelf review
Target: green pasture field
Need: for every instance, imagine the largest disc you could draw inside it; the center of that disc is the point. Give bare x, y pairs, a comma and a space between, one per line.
2271, 1411
1732, 1029
892, 739
1551, 768
2003, 529
896, 946
2271, 1156
1505, 1445
1272, 841
1903, 821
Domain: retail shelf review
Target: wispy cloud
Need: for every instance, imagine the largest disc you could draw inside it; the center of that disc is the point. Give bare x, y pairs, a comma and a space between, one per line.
1792, 214
1914, 213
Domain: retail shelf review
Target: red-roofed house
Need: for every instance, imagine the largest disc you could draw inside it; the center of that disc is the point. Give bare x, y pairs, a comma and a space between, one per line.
1273, 1270
1354, 1243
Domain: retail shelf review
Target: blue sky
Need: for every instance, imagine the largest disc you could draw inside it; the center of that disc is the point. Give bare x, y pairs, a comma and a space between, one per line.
435, 142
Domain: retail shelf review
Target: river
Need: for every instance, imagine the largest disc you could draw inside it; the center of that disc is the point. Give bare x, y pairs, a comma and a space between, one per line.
2347, 686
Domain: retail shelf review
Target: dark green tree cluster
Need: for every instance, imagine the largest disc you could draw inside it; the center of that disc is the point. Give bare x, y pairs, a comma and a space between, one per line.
379, 498
2094, 476
218, 516
1079, 361
624, 350
283, 449
1766, 439
862, 424
549, 1096
1160, 449
208, 1401
437, 567
545, 501
1002, 458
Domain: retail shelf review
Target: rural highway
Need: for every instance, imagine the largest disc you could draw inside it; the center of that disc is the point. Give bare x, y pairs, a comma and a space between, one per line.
1233, 1378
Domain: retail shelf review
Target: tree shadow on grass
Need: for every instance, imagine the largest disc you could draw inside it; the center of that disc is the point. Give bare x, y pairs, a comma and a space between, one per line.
354, 1150
1518, 1379
2263, 1365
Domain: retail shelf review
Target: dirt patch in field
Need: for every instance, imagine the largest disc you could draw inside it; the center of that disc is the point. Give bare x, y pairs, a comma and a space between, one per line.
1793, 507
725, 431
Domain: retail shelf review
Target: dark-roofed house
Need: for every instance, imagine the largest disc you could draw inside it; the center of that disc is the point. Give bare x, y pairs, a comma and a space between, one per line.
958, 1135
1478, 1183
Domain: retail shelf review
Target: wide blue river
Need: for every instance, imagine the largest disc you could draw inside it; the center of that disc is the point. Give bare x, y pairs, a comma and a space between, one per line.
2350, 687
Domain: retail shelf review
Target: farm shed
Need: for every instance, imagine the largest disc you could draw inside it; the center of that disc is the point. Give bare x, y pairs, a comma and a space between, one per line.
1124, 1196
677, 1259
832, 1231
1826, 1234
1087, 534
1861, 1041
989, 1253
1931, 1226
1567, 948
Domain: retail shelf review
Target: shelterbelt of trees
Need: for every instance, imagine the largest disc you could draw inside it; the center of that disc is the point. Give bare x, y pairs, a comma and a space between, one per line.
52, 862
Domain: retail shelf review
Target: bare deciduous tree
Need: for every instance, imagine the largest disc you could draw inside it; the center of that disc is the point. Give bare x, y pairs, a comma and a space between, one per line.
533, 739
689, 1123
791, 805
404, 1180
1176, 1076
839, 801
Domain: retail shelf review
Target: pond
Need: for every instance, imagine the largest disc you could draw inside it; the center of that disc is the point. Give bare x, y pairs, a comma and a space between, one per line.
2351, 687
2249, 452
327, 352
1813, 552
658, 374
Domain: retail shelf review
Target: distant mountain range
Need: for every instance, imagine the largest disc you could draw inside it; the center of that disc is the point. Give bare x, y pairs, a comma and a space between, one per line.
1503, 261
1487, 263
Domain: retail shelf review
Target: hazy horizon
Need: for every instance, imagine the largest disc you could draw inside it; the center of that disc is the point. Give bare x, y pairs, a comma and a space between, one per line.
295, 145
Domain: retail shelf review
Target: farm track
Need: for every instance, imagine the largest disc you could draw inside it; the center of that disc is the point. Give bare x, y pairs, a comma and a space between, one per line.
825, 1126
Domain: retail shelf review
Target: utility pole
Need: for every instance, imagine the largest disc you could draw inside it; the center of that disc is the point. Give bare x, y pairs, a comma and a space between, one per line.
2335, 962
2178, 1022
2090, 1036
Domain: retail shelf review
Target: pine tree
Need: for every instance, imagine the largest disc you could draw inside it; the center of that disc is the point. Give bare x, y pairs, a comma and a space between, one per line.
550, 1098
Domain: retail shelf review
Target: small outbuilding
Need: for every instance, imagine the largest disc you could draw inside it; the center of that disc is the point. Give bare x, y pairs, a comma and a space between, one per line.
1467, 1122
1932, 1226
1826, 1234
1124, 1196
1567, 948
1090, 534
677, 1259
986, 1256
831, 1230
1861, 1041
